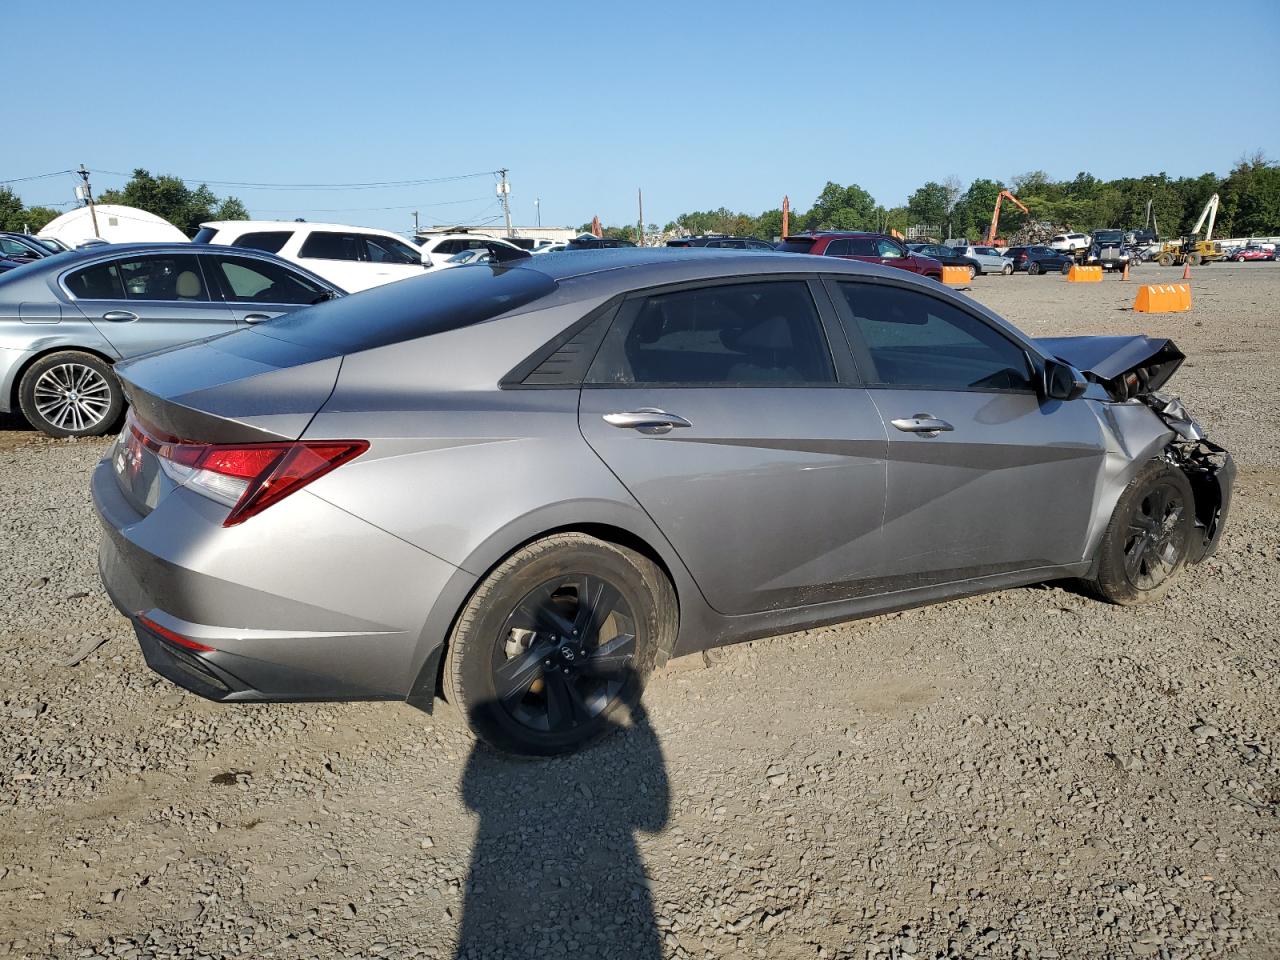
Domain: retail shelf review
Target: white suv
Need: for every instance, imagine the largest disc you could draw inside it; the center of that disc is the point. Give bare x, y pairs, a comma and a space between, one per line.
1069, 242
354, 258
440, 247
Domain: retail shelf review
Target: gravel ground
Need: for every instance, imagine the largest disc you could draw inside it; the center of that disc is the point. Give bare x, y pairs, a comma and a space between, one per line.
1028, 774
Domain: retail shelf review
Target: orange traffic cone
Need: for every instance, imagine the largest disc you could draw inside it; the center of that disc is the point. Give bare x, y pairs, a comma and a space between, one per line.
1125, 274
1186, 270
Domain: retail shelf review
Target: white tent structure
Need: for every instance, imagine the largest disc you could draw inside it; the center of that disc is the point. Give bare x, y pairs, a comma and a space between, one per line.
116, 224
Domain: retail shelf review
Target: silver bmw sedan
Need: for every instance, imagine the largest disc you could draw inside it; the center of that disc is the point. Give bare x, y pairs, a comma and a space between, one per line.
522, 486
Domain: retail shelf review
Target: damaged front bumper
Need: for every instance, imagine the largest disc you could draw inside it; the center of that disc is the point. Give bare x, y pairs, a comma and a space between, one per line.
1208, 466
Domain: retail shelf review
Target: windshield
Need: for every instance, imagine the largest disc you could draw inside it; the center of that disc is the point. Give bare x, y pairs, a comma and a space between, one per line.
1108, 236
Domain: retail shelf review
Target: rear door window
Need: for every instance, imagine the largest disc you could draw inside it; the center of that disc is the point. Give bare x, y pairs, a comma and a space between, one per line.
329, 245
170, 278
746, 334
913, 340
101, 282
269, 241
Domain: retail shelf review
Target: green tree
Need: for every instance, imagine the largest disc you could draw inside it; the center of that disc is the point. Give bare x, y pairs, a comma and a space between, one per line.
169, 197
11, 210
841, 208
37, 218
928, 205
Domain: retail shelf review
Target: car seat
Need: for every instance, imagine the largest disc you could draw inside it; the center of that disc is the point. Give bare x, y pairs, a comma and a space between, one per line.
188, 286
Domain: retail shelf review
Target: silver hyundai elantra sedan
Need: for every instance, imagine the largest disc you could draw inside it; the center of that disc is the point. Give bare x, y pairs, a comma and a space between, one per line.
522, 486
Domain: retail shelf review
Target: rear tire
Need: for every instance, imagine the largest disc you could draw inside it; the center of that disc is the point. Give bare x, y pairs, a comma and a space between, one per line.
973, 271
1148, 538
71, 394
556, 639
1033, 268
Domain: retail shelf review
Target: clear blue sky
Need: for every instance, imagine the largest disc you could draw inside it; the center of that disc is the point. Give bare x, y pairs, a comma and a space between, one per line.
700, 103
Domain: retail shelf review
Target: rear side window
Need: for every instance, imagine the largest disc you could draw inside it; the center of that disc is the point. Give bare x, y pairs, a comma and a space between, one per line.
325, 245
796, 246
97, 283
915, 340
434, 303
746, 334
163, 278
269, 241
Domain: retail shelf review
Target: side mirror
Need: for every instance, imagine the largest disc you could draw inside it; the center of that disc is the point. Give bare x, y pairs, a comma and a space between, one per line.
1063, 381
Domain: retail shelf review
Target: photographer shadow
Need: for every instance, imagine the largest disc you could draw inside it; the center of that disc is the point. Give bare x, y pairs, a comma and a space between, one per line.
556, 868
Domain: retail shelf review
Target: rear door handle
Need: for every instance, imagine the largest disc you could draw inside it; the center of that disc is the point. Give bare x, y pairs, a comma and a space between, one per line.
119, 316
646, 420
922, 423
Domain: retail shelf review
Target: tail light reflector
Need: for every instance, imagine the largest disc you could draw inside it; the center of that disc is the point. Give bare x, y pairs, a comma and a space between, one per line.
167, 634
247, 477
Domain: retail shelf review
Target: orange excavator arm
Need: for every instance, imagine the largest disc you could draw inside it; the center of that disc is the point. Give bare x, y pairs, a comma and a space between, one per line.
995, 215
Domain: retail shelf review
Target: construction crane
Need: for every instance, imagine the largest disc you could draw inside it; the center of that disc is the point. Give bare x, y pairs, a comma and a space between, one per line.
1191, 249
995, 216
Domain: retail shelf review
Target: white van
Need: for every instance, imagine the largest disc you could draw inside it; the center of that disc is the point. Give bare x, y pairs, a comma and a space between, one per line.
354, 258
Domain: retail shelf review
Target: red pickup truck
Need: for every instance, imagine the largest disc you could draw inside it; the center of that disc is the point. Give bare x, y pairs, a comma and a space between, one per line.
868, 247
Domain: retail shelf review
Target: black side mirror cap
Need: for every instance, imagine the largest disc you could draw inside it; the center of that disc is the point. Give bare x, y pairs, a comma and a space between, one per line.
1063, 381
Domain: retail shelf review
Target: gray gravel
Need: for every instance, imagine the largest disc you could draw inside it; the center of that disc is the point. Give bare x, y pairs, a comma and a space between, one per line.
1028, 774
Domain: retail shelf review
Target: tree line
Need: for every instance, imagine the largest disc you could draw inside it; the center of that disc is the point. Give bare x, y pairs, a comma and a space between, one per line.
1249, 194
165, 196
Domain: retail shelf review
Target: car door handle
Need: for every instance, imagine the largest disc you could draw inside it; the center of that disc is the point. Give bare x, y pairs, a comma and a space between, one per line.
119, 316
922, 423
646, 420
257, 317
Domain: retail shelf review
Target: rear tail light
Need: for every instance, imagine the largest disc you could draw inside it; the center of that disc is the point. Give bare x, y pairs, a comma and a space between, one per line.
247, 477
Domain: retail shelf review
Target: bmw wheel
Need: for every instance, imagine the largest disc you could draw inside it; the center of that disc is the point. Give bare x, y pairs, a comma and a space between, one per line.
560, 636
1149, 536
71, 394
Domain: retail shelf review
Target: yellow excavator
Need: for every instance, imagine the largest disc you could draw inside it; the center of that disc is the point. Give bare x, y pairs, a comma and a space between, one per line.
1191, 249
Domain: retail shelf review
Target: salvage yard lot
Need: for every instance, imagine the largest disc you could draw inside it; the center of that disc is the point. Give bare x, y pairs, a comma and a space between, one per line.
1030, 773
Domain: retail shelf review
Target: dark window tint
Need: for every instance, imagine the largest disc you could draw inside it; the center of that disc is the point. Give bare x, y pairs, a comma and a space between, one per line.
396, 312
389, 250
97, 283
838, 248
323, 245
246, 280
915, 340
759, 245
205, 235
163, 278
793, 245
271, 241
862, 247
748, 333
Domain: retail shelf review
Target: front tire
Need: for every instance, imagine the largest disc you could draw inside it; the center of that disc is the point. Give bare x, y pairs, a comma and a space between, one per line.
555, 640
71, 394
1007, 270
1148, 538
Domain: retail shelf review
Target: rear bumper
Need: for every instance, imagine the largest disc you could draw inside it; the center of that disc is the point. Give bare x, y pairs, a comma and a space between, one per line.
302, 602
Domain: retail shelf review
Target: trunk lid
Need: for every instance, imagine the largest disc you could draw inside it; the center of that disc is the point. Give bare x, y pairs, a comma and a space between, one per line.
241, 388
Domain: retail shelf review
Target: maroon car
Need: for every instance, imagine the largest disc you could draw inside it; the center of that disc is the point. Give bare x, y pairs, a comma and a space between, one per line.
868, 247
1252, 252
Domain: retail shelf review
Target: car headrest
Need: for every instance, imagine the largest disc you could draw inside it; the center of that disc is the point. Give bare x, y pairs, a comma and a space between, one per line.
772, 333
188, 286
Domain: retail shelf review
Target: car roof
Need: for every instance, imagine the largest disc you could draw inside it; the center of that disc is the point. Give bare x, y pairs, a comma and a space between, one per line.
247, 225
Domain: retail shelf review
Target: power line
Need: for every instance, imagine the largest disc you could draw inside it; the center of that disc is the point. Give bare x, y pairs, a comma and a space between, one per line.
406, 206
373, 185
39, 176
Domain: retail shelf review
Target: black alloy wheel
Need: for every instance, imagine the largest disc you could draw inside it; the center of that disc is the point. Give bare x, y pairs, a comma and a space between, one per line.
562, 656
1157, 539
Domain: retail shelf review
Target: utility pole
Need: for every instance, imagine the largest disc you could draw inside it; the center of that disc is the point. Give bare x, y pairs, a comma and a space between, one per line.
88, 193
640, 203
504, 193
415, 224
786, 215
537, 210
